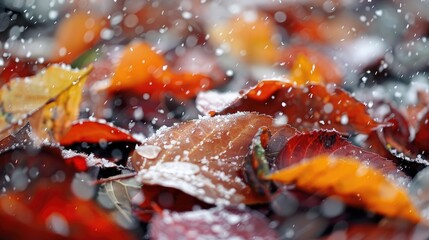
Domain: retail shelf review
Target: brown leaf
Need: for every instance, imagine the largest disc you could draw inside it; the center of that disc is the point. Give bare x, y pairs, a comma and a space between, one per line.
306, 108
204, 158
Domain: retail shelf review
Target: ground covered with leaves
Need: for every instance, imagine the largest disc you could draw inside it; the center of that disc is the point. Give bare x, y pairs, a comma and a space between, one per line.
214, 120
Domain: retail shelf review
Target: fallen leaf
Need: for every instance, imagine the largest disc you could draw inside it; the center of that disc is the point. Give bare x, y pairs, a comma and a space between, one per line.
303, 71
49, 101
353, 182
71, 41
215, 223
249, 36
92, 131
310, 144
307, 107
123, 194
204, 158
315, 65
142, 70
50, 209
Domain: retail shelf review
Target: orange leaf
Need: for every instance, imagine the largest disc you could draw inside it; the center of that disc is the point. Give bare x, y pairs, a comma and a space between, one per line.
304, 71
94, 131
353, 182
142, 70
139, 69
75, 35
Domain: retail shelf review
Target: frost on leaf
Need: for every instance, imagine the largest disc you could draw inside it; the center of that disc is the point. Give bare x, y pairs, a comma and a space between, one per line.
215, 223
49, 101
204, 158
307, 107
351, 181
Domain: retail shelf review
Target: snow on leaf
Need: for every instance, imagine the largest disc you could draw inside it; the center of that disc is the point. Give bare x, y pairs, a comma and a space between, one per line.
215, 223
307, 107
351, 181
49, 101
204, 158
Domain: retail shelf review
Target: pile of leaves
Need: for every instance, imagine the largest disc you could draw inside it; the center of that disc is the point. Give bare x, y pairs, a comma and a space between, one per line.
143, 141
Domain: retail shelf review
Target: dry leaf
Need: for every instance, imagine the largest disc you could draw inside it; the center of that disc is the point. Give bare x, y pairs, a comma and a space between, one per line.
49, 101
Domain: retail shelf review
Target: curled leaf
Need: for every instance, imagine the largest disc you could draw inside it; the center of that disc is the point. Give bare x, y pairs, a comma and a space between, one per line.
49, 101
351, 181
204, 158
308, 107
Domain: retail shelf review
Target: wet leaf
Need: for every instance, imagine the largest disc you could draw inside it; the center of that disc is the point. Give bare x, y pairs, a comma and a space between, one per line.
307, 145
49, 101
204, 158
215, 223
308, 107
351, 181
93, 132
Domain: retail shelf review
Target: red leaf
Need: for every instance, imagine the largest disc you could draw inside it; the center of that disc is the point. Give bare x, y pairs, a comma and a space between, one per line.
214, 223
421, 140
93, 132
306, 108
51, 210
308, 145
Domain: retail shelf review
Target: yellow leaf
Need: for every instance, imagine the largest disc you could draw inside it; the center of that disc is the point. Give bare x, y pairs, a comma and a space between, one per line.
49, 101
304, 71
356, 184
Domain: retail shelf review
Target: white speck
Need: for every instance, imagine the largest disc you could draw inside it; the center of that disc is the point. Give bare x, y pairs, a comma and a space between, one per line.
58, 224
344, 119
328, 108
187, 15
379, 12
